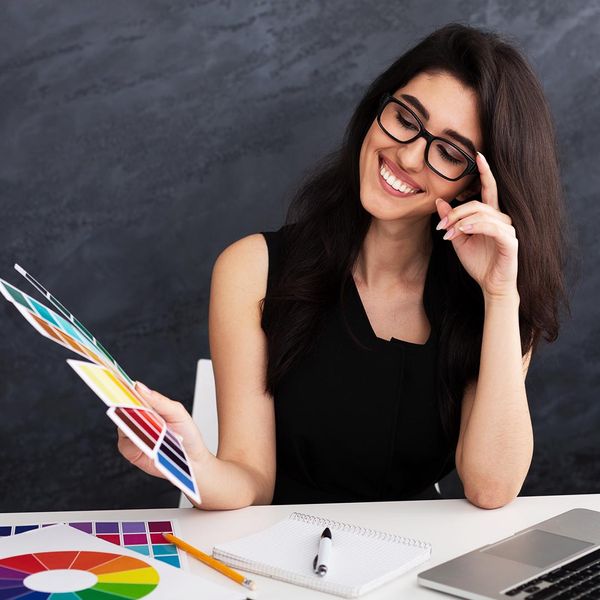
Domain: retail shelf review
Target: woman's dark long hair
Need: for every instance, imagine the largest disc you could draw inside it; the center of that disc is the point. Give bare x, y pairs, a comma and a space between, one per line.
329, 223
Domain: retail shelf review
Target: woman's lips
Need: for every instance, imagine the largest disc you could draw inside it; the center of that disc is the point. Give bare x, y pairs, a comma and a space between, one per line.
388, 188
397, 172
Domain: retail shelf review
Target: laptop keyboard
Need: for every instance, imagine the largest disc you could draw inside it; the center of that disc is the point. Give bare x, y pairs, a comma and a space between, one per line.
579, 579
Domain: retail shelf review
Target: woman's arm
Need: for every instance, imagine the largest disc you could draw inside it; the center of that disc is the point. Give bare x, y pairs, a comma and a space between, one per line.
243, 472
495, 444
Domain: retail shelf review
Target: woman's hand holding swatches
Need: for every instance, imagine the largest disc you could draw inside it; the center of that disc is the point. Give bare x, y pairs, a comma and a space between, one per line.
179, 421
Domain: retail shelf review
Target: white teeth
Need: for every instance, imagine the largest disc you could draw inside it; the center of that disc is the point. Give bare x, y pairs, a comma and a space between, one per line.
397, 184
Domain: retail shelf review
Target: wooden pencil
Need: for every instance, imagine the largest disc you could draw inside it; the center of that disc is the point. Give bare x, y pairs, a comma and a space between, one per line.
210, 561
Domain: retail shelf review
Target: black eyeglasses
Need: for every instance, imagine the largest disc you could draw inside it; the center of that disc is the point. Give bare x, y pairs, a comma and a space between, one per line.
399, 122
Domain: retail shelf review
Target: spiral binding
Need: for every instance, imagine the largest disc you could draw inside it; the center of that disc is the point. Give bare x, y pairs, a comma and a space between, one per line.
356, 529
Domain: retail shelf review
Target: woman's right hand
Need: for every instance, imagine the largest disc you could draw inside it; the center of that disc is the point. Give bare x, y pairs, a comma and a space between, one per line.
179, 422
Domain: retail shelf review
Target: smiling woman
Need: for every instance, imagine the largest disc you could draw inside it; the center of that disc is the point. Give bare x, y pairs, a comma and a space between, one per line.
397, 143
358, 355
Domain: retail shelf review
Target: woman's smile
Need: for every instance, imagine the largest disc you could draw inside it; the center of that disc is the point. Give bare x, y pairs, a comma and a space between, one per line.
392, 184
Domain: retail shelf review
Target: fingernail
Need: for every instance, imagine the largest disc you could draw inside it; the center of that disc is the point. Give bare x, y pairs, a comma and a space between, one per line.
449, 234
142, 387
482, 156
442, 223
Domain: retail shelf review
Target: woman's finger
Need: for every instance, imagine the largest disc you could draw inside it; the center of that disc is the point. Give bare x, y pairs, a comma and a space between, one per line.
466, 225
489, 189
471, 208
170, 410
493, 229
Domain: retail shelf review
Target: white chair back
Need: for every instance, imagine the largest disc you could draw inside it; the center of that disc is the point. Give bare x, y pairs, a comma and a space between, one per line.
204, 411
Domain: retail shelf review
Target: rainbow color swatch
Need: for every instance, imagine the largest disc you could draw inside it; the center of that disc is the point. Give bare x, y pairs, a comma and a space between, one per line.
143, 426
59, 575
126, 408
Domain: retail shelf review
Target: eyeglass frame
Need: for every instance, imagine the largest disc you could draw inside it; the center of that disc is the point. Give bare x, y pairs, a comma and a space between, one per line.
471, 167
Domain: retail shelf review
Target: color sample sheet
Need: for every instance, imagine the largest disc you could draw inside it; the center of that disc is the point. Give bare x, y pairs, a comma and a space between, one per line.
63, 563
108, 380
143, 537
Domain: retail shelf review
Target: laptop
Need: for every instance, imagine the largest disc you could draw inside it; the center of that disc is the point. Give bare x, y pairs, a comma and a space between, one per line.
553, 560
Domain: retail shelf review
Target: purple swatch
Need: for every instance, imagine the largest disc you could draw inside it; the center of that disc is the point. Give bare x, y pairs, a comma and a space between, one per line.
134, 527
6, 573
103, 527
85, 527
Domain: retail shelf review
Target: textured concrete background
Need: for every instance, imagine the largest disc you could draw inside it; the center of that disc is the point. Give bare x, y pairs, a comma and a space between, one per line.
140, 138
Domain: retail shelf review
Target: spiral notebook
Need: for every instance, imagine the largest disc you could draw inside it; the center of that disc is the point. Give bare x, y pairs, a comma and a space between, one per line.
362, 559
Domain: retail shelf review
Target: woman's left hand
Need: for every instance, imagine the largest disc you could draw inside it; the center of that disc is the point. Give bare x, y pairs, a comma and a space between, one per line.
483, 237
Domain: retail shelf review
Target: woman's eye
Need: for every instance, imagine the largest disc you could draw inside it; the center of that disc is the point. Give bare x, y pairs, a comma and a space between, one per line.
405, 123
447, 156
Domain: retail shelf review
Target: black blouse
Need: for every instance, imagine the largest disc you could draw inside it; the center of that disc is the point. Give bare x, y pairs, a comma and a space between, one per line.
359, 421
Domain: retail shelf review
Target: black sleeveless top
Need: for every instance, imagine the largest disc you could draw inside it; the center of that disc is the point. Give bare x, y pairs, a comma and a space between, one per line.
356, 417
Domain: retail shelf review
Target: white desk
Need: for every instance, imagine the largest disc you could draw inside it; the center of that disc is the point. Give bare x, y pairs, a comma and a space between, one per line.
451, 526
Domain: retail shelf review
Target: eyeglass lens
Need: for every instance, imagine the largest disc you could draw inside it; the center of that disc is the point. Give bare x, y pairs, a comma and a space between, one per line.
443, 157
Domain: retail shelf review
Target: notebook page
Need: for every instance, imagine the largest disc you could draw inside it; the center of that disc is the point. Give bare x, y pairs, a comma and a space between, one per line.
286, 551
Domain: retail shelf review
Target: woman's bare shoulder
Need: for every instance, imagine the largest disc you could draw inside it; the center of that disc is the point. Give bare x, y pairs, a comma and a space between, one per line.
244, 264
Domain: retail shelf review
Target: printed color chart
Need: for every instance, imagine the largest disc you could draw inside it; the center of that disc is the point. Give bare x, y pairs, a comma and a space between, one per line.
144, 537
100, 576
60, 562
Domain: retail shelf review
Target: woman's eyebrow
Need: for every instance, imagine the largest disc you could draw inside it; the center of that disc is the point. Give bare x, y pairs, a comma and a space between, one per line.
451, 132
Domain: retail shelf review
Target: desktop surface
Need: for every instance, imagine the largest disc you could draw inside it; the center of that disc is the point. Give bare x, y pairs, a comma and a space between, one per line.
453, 527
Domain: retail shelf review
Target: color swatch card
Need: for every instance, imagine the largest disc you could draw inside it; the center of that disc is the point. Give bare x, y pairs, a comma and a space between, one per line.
143, 537
62, 563
126, 408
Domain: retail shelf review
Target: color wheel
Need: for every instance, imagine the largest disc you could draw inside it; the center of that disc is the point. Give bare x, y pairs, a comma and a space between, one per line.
42, 576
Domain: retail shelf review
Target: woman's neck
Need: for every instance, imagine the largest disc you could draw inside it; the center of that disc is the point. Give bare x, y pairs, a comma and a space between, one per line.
394, 253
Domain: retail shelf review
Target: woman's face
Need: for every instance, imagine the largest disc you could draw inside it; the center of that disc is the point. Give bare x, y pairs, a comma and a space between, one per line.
450, 105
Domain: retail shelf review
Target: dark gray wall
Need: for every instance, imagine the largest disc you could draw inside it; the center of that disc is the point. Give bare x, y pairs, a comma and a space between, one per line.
139, 138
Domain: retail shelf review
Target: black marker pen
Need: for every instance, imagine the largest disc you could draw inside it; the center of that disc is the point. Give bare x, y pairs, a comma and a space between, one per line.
321, 562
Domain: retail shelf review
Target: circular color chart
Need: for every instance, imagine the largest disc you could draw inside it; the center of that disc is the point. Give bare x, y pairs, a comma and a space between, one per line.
116, 576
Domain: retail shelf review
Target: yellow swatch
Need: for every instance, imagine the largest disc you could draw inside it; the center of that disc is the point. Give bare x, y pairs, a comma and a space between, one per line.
148, 576
112, 389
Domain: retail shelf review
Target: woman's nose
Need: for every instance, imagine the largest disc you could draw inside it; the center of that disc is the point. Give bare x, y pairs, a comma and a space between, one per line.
412, 156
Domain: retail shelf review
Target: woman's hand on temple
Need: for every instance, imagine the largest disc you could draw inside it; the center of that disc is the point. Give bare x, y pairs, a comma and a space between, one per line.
483, 237
179, 421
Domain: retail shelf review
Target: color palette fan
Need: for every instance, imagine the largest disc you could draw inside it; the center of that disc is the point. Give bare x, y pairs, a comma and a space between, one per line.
126, 408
